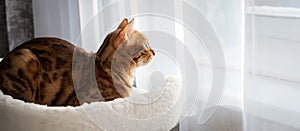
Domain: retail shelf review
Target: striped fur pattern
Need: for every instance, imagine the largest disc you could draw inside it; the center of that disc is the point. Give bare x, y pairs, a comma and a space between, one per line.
53, 72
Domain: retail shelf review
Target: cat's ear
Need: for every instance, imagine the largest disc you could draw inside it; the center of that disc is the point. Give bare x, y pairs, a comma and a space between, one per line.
130, 24
125, 32
123, 24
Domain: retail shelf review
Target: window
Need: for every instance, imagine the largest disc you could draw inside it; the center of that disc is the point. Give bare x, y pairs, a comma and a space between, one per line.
272, 79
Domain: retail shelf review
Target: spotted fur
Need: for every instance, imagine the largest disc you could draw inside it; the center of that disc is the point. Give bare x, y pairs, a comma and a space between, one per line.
53, 72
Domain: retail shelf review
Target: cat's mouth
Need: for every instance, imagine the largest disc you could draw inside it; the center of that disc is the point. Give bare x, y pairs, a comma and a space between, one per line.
152, 51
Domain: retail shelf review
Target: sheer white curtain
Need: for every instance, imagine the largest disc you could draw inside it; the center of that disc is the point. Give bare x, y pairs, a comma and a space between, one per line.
272, 83
204, 37
57, 18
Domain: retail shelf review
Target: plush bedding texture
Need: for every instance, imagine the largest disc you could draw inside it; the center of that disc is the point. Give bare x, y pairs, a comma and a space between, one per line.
157, 109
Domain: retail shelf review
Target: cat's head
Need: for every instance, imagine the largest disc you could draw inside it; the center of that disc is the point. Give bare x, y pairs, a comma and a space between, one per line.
131, 42
122, 51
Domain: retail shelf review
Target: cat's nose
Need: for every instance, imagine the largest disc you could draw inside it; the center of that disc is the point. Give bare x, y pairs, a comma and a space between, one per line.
152, 52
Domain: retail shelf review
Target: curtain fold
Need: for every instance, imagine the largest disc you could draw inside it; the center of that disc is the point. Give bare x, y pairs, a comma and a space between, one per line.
16, 24
3, 33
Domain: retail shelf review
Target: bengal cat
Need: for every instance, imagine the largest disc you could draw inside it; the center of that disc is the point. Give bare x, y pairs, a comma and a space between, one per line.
47, 70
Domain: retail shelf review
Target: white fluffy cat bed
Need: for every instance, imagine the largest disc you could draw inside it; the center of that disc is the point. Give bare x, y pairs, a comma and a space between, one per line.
155, 110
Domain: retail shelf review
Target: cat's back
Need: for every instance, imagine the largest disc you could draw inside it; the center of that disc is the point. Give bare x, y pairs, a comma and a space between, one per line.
52, 53
47, 55
48, 46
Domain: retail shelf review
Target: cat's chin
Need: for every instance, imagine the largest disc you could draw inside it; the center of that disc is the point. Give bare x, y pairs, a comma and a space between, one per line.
141, 63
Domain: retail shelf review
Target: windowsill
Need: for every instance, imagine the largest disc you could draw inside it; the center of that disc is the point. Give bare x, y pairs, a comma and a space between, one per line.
273, 99
274, 11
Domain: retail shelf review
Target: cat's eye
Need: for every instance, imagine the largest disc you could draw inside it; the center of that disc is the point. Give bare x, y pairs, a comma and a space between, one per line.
146, 44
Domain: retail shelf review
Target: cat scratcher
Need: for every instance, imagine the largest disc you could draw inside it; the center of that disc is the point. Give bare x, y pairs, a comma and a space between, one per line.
155, 110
